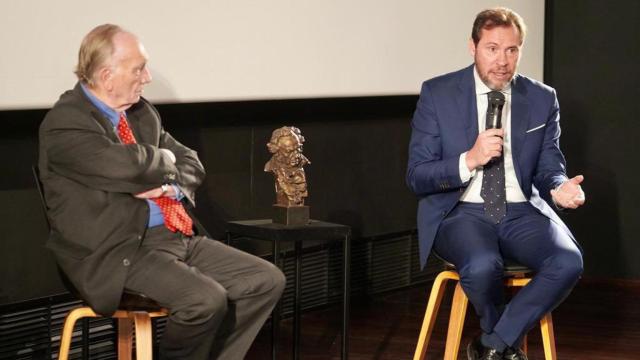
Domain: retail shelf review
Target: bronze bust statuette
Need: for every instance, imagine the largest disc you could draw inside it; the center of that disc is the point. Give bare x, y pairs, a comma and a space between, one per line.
286, 164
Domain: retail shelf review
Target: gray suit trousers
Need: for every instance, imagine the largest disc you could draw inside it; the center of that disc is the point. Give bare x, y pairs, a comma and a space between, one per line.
218, 297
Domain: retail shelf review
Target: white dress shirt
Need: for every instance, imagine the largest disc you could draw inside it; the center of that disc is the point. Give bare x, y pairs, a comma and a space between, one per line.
472, 193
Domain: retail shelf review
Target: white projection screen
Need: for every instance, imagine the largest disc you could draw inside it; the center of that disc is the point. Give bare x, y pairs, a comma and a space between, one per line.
215, 50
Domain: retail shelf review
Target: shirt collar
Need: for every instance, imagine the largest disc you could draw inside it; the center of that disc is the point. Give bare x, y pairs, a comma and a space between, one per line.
108, 112
482, 89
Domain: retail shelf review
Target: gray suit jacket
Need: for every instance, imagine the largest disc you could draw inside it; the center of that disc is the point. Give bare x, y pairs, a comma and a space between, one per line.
89, 177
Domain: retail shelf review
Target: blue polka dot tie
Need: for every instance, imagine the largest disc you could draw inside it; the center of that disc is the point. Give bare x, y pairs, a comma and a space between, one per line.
493, 187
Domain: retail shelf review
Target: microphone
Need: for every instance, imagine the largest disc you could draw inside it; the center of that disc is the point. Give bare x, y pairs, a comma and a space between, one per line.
496, 102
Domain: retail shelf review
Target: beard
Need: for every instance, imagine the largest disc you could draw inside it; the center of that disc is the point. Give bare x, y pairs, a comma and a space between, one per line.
495, 84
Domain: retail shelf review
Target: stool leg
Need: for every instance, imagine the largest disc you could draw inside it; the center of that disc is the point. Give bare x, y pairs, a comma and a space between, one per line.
67, 330
125, 338
144, 336
435, 298
548, 337
456, 322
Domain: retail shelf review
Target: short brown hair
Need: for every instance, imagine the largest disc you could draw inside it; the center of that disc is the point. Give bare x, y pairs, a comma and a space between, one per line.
499, 16
96, 48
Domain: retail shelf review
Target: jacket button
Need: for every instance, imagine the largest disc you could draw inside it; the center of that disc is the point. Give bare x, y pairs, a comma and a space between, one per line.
126, 262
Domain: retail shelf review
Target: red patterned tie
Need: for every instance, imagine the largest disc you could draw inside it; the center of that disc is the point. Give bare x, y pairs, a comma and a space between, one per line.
174, 214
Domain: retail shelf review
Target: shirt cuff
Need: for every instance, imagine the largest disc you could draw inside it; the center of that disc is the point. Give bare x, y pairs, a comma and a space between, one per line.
465, 174
558, 206
176, 189
170, 154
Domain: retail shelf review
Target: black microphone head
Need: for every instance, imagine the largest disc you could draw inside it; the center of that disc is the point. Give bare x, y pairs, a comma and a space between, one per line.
494, 110
496, 98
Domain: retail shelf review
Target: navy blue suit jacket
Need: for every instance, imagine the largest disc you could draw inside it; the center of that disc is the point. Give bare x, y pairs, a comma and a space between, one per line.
445, 124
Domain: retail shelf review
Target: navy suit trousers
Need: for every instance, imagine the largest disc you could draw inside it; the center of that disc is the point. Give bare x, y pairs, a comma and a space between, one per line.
477, 248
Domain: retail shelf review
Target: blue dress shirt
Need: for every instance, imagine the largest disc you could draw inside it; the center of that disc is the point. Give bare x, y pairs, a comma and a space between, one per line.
155, 214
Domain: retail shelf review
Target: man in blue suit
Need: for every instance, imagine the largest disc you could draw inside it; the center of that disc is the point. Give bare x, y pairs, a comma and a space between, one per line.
487, 193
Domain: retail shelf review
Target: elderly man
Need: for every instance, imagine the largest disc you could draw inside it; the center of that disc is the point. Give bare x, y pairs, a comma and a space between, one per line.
113, 179
485, 162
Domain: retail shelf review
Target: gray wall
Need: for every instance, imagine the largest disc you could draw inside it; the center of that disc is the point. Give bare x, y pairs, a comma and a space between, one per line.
206, 50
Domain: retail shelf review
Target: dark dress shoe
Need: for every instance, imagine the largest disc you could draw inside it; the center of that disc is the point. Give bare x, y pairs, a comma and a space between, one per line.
514, 354
477, 351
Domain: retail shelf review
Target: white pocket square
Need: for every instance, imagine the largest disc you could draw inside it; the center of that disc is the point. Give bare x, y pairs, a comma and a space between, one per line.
535, 128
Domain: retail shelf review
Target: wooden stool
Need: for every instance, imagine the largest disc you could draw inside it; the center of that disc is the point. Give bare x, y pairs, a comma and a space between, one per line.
516, 277
135, 313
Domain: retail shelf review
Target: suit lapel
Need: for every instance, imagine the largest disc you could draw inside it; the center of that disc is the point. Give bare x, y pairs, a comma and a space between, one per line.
100, 119
105, 124
134, 123
467, 100
520, 118
140, 129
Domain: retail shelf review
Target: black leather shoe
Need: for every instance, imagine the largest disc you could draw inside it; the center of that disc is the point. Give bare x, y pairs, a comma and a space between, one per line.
477, 351
514, 354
